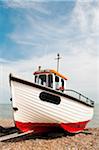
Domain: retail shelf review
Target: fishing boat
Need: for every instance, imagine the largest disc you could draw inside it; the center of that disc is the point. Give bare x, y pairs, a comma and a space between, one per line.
47, 103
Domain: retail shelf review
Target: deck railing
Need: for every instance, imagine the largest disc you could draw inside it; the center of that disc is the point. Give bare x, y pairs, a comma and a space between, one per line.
79, 96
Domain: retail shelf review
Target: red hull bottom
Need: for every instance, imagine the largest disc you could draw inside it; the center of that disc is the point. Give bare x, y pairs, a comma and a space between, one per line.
46, 127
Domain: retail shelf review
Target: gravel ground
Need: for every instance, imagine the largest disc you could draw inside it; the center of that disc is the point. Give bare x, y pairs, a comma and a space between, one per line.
86, 140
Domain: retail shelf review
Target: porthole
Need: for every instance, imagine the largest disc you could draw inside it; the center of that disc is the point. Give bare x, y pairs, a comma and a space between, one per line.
44, 96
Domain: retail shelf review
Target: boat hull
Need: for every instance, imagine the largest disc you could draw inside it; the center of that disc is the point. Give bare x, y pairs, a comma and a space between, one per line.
33, 112
46, 127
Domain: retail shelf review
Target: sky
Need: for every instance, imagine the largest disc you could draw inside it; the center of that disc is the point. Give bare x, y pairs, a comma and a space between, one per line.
33, 32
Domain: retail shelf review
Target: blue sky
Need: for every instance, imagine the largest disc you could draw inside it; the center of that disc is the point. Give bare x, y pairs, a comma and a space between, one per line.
36, 21
33, 32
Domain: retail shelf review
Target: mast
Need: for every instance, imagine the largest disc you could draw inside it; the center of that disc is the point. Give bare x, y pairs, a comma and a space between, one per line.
58, 58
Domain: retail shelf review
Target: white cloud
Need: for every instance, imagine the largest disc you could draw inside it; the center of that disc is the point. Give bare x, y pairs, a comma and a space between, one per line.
27, 4
19, 3
86, 15
83, 25
95, 25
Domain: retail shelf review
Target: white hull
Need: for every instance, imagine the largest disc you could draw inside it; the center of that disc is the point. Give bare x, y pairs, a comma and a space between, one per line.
31, 109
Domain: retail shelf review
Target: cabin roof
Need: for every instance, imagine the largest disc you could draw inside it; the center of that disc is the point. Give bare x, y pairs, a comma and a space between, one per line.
49, 71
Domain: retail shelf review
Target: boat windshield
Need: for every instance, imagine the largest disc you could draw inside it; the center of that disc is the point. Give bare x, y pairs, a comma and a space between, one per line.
57, 82
50, 80
42, 79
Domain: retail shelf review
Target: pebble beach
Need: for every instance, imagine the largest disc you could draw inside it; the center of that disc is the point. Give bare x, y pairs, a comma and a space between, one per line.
86, 140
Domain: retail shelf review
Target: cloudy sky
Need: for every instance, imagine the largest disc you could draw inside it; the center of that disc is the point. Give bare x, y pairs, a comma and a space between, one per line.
33, 32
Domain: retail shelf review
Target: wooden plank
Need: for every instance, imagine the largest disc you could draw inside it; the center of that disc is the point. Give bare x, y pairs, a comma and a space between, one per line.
14, 135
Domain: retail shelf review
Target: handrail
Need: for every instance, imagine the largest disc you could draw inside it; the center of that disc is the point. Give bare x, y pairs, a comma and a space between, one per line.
88, 101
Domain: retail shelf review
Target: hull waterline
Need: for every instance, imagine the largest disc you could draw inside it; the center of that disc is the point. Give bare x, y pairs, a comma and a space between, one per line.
45, 127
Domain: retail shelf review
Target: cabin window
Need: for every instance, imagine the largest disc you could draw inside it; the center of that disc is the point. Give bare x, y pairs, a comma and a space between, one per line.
36, 79
57, 82
44, 96
50, 80
62, 85
62, 81
42, 79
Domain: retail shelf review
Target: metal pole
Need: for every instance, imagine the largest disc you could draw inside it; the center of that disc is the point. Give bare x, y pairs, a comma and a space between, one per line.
58, 58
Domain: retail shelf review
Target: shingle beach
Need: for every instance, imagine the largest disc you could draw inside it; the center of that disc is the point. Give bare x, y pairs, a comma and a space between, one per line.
86, 140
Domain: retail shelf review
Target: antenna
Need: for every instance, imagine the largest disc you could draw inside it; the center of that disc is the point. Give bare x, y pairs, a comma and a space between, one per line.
58, 58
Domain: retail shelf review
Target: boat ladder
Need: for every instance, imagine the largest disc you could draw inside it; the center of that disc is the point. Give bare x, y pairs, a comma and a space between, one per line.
14, 135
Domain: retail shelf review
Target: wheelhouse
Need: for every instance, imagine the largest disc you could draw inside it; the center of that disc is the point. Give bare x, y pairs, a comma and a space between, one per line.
51, 79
